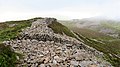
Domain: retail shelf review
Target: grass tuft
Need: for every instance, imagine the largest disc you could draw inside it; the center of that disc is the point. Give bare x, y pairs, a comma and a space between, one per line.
8, 58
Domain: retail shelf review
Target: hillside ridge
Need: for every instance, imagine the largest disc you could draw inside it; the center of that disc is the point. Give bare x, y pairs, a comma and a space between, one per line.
42, 47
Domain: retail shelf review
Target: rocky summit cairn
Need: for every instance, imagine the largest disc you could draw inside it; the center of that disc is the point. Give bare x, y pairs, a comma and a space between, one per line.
42, 47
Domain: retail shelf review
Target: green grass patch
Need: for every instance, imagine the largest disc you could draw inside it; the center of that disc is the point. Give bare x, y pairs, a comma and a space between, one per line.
8, 58
91, 34
61, 29
115, 61
8, 33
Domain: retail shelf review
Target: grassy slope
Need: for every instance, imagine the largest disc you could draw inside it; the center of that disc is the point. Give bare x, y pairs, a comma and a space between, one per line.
91, 34
11, 32
105, 42
112, 25
109, 44
59, 28
109, 50
7, 32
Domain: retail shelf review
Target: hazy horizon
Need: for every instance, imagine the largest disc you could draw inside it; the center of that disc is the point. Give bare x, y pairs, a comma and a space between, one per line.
62, 9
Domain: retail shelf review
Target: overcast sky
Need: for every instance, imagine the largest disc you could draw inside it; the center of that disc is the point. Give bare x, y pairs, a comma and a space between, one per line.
61, 9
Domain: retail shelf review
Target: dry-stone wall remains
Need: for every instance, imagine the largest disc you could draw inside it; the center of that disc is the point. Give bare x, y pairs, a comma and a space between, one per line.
42, 47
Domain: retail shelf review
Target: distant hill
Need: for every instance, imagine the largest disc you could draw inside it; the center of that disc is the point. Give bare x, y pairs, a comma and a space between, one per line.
106, 26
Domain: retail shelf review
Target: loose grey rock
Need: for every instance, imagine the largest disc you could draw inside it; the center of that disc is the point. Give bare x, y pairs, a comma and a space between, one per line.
42, 65
75, 63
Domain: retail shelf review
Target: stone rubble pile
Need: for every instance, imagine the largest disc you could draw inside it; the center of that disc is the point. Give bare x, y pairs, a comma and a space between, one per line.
44, 48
